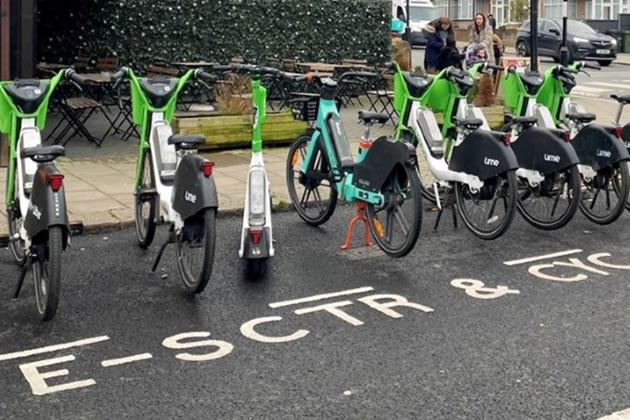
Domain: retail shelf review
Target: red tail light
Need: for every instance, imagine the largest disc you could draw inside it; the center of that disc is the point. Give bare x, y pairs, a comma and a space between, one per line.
507, 138
618, 131
207, 168
567, 136
55, 181
255, 234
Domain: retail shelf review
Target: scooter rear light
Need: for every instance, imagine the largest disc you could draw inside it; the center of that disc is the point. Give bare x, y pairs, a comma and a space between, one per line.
507, 138
567, 136
255, 234
207, 168
55, 181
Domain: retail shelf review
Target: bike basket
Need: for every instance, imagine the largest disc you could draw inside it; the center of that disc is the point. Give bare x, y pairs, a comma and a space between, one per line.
306, 108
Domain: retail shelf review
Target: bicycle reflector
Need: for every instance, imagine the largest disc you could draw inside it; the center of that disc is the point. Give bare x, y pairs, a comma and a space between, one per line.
55, 181
257, 197
255, 234
567, 136
507, 138
207, 168
618, 131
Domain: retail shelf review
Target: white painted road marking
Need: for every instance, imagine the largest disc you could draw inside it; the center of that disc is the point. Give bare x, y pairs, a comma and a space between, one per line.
56, 347
128, 359
320, 297
619, 415
475, 288
542, 257
37, 379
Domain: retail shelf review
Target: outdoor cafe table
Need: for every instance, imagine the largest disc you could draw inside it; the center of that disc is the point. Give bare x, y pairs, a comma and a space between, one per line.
193, 64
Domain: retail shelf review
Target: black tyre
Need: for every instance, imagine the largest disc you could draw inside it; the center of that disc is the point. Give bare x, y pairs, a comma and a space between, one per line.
605, 196
521, 49
146, 206
46, 271
313, 194
195, 249
604, 63
14, 221
427, 180
489, 212
395, 225
551, 204
256, 268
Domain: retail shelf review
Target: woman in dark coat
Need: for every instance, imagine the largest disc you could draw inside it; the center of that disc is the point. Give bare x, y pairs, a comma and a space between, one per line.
438, 34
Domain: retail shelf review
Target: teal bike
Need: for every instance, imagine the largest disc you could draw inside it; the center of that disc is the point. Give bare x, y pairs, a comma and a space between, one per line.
383, 181
35, 195
171, 174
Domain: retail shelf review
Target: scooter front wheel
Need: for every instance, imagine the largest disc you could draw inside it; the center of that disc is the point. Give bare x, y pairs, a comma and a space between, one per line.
313, 194
395, 224
195, 249
146, 204
46, 271
488, 212
605, 196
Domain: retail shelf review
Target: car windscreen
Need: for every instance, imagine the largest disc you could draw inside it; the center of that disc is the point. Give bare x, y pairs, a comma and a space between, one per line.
575, 27
422, 13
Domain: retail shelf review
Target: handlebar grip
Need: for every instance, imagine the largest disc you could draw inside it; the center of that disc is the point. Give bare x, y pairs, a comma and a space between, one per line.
592, 66
494, 67
206, 76
118, 75
76, 77
389, 65
222, 68
464, 81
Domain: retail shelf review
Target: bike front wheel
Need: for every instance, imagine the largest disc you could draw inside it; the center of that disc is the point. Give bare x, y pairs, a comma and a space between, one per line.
605, 196
488, 212
552, 203
46, 271
395, 224
146, 203
313, 194
195, 250
14, 221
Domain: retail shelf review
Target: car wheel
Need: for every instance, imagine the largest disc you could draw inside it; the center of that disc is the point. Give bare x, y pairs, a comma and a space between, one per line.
604, 63
521, 49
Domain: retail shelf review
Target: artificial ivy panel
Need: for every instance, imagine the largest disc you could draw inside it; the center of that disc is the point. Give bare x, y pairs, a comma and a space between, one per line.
140, 31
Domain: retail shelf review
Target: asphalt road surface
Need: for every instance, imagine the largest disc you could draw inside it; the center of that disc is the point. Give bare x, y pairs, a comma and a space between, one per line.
532, 325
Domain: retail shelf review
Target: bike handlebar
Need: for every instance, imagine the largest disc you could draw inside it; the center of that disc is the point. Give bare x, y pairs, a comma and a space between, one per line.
200, 74
591, 66
75, 77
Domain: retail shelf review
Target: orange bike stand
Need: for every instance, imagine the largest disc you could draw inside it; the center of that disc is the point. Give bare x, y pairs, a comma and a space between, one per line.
360, 216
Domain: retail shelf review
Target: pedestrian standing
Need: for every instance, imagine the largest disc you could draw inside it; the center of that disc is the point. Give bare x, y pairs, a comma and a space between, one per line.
439, 35
481, 32
492, 22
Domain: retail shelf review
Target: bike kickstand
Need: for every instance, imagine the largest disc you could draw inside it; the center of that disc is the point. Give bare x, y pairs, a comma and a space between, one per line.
20, 282
170, 240
359, 216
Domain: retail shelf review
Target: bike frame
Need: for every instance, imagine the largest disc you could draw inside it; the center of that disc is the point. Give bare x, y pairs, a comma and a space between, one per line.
553, 96
29, 124
343, 180
153, 120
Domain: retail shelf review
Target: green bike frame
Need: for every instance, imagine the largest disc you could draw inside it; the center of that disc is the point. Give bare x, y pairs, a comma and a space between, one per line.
259, 95
552, 93
141, 109
350, 192
9, 115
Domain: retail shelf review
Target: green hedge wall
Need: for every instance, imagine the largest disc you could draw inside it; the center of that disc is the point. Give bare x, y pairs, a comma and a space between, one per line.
138, 31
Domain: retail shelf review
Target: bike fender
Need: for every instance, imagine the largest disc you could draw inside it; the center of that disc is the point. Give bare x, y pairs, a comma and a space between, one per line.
384, 154
259, 250
543, 150
483, 154
596, 146
47, 207
192, 190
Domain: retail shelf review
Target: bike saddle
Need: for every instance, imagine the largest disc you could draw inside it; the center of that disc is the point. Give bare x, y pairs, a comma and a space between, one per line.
182, 141
624, 99
581, 117
42, 154
416, 84
526, 121
371, 117
469, 123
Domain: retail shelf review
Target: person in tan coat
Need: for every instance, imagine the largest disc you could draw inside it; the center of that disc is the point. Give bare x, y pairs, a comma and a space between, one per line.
481, 32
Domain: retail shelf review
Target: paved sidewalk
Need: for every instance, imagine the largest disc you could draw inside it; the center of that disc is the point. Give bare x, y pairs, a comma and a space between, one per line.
99, 188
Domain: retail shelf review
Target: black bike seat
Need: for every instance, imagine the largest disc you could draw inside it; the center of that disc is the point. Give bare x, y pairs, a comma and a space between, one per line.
42, 154
372, 117
582, 117
469, 123
524, 121
182, 141
624, 99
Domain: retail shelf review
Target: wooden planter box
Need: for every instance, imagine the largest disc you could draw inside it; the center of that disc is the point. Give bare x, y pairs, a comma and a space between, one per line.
227, 131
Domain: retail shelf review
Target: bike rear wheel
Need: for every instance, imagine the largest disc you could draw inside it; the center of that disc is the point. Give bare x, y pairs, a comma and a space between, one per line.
396, 223
146, 206
553, 203
14, 221
488, 213
610, 184
195, 250
313, 194
256, 268
46, 273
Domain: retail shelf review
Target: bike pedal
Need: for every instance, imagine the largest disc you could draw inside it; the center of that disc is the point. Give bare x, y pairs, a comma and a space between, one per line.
146, 195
